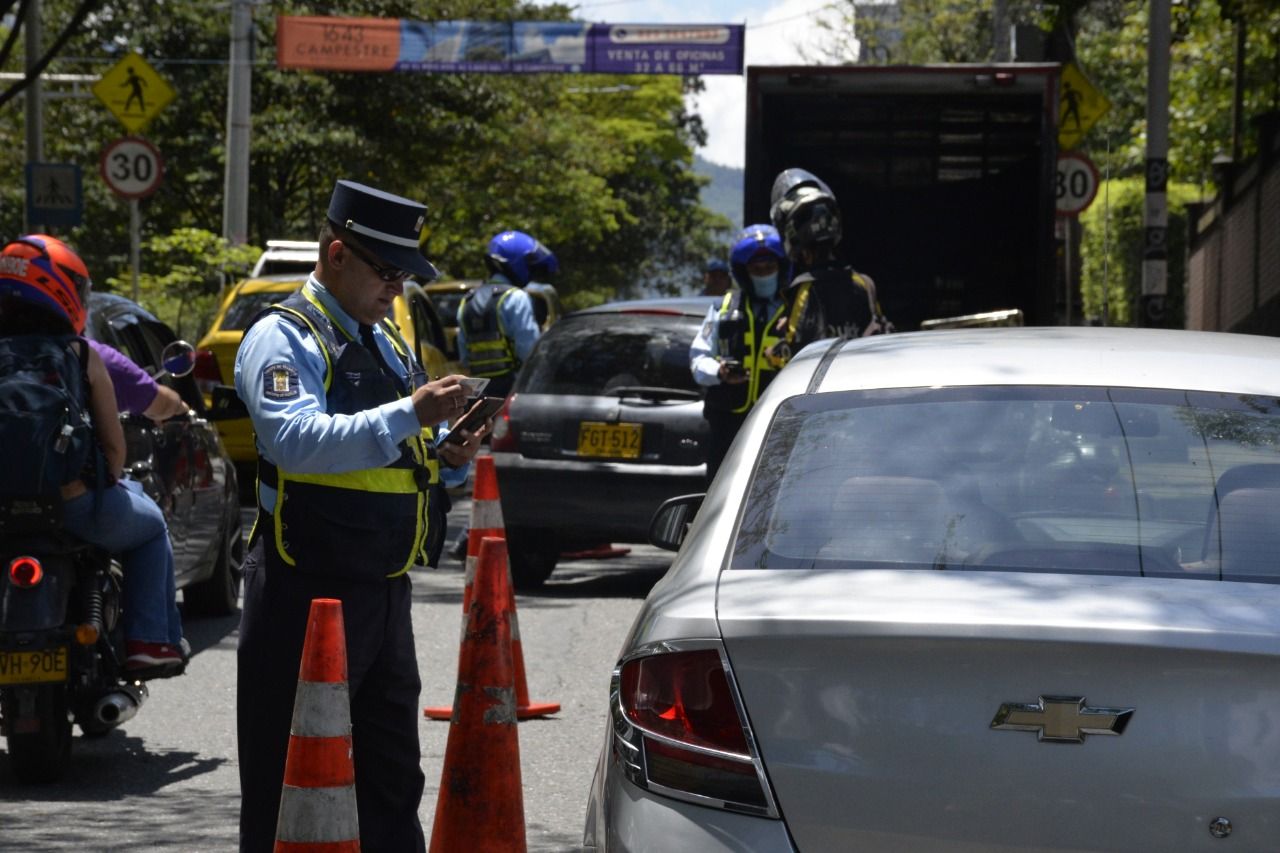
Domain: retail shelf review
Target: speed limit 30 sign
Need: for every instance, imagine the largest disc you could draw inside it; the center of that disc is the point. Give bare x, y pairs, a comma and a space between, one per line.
1076, 184
132, 167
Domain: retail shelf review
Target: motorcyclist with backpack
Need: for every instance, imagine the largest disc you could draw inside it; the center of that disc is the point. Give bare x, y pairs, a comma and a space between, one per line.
43, 289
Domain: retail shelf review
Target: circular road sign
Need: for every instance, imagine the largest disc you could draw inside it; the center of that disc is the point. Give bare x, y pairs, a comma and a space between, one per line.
1076, 185
132, 167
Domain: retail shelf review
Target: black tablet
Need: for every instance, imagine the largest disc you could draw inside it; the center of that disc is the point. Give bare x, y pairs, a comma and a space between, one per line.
483, 409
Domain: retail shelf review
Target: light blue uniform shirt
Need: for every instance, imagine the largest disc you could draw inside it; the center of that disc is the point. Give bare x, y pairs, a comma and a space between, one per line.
516, 318
293, 429
704, 352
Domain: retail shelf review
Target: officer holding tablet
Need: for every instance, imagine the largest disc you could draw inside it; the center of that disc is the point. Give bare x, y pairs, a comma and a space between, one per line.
350, 469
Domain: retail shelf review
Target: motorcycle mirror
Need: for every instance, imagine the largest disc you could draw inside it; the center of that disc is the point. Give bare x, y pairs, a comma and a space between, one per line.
177, 359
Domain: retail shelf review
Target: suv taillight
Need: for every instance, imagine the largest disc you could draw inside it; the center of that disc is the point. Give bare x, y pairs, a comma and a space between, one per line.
207, 373
25, 572
504, 435
680, 732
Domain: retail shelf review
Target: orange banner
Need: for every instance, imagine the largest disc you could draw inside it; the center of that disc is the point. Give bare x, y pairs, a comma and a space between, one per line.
338, 44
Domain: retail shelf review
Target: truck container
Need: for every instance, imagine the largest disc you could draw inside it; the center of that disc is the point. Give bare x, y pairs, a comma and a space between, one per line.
944, 175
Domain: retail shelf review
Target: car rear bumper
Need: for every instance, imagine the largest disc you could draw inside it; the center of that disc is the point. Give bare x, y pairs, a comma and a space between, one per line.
622, 817
592, 500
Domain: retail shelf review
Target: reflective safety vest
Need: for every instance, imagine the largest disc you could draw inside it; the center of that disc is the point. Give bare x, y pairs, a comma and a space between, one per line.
367, 524
839, 309
490, 351
748, 345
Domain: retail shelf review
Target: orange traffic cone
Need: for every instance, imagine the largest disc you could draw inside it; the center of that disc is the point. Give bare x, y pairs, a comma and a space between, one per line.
481, 805
486, 520
318, 802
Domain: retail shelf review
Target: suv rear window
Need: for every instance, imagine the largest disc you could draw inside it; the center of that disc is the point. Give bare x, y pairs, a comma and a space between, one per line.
592, 354
1067, 480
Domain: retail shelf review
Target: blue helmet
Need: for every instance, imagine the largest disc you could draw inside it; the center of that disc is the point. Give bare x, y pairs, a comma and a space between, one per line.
520, 258
754, 240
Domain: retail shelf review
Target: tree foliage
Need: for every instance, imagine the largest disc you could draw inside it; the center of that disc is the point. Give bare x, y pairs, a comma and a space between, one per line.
597, 167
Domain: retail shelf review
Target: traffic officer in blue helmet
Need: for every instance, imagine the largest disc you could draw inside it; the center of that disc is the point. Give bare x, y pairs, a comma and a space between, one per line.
497, 325
729, 356
351, 462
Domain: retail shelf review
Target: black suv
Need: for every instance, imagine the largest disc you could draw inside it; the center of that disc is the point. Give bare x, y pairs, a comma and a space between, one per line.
604, 424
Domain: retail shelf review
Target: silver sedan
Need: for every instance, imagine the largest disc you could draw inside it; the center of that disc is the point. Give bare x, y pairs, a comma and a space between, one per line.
999, 589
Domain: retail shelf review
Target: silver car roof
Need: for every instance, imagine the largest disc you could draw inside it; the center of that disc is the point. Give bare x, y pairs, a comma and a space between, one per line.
1116, 357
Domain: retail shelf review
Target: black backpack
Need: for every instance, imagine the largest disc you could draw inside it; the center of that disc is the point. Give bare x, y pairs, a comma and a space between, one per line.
46, 437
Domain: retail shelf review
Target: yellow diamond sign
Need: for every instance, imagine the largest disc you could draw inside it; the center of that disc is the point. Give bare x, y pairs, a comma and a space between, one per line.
134, 92
1080, 106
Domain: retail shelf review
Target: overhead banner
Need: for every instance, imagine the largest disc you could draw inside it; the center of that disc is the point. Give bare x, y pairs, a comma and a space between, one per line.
492, 47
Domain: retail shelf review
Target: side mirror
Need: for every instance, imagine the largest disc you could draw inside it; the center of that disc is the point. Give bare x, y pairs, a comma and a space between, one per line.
226, 404
177, 359
671, 522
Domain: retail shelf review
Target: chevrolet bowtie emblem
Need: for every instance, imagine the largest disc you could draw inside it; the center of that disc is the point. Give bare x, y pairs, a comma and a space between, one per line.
1061, 719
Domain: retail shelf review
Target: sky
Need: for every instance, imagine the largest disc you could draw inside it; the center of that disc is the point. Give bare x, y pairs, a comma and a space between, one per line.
776, 32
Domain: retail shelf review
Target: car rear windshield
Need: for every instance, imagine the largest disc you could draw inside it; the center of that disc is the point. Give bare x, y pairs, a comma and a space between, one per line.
594, 354
245, 307
1070, 480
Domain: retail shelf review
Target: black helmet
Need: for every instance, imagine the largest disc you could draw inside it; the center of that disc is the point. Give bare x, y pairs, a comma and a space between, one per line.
804, 210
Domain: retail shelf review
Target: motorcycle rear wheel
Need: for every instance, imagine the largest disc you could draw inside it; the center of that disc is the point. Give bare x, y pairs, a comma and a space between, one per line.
44, 755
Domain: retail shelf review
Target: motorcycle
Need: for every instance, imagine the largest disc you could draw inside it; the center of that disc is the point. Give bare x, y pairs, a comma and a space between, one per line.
62, 647
61, 642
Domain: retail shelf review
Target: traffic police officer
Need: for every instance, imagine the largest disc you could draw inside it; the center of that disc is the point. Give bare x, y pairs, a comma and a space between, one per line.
730, 353
348, 458
497, 327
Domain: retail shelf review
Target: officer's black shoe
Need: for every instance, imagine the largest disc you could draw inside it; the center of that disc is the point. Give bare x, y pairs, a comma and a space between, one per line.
459, 549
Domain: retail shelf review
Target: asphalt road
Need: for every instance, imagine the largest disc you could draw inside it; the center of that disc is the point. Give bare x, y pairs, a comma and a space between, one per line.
167, 780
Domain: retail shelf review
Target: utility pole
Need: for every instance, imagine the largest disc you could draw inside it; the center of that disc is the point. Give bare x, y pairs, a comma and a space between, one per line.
31, 96
235, 212
1155, 274
1000, 31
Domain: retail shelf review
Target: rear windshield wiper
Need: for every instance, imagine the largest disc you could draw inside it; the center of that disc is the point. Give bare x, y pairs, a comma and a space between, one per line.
653, 392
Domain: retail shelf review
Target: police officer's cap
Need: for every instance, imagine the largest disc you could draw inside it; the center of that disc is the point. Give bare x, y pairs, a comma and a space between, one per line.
387, 225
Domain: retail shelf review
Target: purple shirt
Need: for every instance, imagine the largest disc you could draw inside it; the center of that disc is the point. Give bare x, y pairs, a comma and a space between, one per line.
135, 389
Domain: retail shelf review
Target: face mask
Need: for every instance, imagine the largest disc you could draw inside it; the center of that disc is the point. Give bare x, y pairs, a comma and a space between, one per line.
765, 285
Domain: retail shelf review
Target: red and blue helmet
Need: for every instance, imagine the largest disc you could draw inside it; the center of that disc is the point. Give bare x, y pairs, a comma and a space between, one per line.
43, 270
754, 240
520, 258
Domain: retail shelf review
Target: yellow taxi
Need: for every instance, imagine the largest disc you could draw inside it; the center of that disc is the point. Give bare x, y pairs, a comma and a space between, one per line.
412, 312
448, 295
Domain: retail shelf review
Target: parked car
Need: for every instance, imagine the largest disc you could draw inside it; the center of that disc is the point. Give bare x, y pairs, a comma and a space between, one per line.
606, 417
992, 589
448, 296
412, 312
182, 464
287, 257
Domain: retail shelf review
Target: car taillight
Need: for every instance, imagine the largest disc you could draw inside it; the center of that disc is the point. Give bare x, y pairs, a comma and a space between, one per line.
679, 729
25, 571
504, 435
207, 373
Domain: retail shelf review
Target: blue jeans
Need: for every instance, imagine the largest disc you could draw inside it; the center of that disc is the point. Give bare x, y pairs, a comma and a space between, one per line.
131, 525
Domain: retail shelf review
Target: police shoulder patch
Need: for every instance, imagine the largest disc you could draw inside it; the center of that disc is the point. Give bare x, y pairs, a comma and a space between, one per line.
280, 382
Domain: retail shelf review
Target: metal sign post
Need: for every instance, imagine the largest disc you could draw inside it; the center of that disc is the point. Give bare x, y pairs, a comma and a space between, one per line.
133, 168
135, 243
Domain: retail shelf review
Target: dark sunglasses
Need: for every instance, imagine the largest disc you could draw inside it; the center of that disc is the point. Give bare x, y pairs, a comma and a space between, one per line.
386, 272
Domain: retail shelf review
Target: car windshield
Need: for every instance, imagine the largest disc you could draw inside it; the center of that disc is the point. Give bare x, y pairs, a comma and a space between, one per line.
245, 307
1071, 480
594, 354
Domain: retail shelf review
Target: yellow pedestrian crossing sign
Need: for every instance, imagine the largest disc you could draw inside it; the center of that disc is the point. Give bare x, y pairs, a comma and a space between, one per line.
1080, 106
133, 91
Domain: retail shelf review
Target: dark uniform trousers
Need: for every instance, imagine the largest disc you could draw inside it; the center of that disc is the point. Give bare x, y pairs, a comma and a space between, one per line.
384, 687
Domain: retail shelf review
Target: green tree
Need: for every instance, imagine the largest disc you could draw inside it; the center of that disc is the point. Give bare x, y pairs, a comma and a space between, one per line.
599, 168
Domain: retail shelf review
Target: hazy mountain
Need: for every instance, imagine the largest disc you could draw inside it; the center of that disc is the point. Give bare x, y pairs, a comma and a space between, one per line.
724, 193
